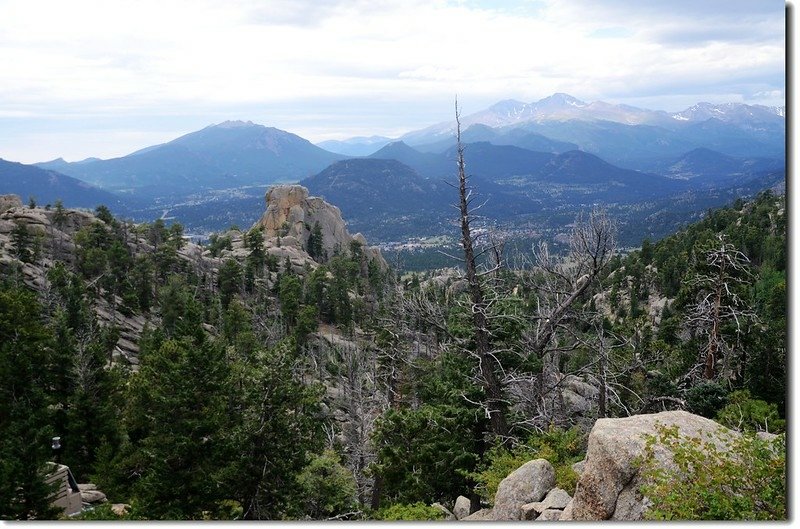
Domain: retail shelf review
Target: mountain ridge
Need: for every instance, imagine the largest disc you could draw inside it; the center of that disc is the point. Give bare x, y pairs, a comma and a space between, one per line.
47, 186
232, 152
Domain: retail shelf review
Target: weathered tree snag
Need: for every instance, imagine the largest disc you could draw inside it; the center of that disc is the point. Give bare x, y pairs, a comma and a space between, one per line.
487, 362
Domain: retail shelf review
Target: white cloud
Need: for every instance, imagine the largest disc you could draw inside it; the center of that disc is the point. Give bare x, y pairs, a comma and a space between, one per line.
201, 58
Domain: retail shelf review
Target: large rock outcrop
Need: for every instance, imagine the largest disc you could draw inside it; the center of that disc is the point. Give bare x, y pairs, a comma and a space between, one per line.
609, 484
291, 216
53, 233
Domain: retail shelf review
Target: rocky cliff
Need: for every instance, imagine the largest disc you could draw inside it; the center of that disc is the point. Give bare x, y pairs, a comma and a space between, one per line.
288, 222
292, 215
53, 238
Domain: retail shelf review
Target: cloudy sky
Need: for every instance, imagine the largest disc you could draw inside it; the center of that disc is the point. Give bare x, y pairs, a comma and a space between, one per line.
88, 78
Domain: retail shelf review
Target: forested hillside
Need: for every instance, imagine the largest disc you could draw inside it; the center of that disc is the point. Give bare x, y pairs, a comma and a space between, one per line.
277, 373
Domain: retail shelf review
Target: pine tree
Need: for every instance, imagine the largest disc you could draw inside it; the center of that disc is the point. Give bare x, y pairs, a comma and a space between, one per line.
26, 377
177, 416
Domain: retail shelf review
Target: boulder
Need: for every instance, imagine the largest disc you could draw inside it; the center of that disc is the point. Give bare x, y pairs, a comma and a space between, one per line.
93, 496
566, 514
555, 499
484, 515
550, 515
449, 516
462, 507
609, 484
529, 483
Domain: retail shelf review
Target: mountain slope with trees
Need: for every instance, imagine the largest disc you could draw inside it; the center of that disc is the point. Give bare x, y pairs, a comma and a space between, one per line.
267, 373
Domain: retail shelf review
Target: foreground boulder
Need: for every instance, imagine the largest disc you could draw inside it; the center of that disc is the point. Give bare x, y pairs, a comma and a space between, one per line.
462, 507
529, 483
608, 487
484, 515
555, 500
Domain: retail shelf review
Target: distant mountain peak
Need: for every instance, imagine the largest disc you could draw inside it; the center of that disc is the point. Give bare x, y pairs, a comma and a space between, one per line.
562, 99
235, 124
507, 105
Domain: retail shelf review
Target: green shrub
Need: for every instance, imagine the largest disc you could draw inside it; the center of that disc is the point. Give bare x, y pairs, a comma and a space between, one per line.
328, 487
751, 415
103, 512
409, 512
706, 399
561, 448
424, 454
743, 480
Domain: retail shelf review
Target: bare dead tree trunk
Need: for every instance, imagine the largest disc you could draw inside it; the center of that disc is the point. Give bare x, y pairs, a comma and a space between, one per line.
602, 365
560, 286
488, 362
719, 304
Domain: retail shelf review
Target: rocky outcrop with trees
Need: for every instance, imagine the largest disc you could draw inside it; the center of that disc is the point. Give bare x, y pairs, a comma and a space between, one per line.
285, 372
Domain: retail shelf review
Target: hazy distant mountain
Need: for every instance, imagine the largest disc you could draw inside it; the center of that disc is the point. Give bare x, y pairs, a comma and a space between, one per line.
486, 161
383, 197
732, 113
516, 136
754, 139
60, 163
47, 186
399, 191
707, 166
358, 146
219, 156
360, 186
622, 134
430, 165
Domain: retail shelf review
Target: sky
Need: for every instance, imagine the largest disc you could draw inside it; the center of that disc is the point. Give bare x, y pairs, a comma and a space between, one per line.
86, 78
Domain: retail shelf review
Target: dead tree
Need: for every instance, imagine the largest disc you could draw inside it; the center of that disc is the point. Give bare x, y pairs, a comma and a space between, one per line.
559, 284
718, 304
488, 363
592, 244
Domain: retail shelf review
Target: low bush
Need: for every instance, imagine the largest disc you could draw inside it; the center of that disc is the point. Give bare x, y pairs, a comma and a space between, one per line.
744, 479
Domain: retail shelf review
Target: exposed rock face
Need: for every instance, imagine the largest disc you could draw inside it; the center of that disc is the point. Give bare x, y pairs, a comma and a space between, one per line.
292, 214
529, 483
9, 201
579, 397
609, 484
53, 233
54, 236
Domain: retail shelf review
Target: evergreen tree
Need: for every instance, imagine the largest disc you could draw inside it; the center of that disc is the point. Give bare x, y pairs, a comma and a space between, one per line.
177, 422
274, 428
290, 293
22, 240
314, 247
230, 281
26, 379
